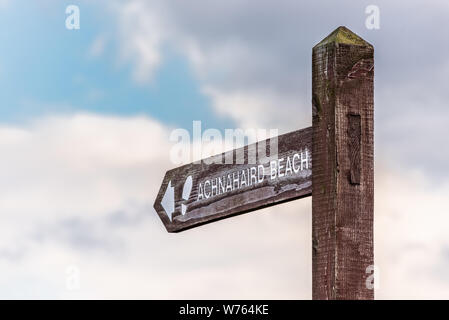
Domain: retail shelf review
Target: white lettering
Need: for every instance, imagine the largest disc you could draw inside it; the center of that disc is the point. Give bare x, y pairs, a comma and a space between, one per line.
304, 160
207, 195
288, 166
235, 180
280, 166
260, 173
200, 192
273, 169
296, 169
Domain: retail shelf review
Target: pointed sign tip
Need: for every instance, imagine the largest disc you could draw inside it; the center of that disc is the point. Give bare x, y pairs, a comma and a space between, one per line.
168, 200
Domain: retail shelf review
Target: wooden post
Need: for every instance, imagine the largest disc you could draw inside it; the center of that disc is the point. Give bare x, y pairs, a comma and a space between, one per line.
343, 166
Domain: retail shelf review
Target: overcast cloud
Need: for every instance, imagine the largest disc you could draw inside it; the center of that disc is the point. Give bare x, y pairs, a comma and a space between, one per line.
68, 199
254, 60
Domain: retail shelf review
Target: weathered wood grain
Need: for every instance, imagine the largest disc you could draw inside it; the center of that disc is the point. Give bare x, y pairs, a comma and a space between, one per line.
343, 166
354, 140
201, 210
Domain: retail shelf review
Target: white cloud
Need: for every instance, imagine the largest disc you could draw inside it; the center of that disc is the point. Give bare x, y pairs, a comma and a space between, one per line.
254, 62
229, 59
98, 46
142, 37
78, 190
256, 109
412, 244
77, 149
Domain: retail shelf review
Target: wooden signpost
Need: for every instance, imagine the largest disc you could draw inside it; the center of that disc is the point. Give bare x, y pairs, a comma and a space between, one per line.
195, 194
340, 142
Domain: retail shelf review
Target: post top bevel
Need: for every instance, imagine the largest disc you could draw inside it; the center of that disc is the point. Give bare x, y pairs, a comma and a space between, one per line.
345, 36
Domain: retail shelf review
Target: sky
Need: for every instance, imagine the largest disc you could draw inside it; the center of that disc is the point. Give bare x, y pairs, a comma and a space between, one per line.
85, 120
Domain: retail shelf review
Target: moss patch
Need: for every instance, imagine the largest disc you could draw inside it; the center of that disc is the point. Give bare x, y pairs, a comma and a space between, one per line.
343, 35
